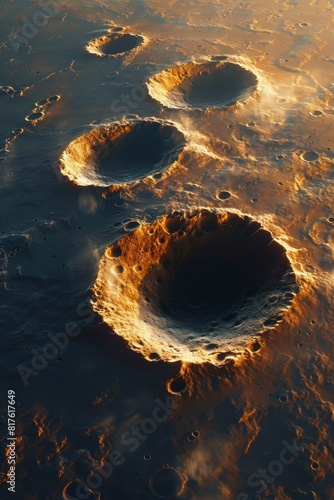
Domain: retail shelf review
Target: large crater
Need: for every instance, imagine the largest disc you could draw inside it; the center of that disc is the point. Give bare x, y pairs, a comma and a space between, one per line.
115, 44
166, 483
122, 153
203, 85
194, 286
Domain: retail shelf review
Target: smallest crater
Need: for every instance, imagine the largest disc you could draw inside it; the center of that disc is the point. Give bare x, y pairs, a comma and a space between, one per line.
115, 44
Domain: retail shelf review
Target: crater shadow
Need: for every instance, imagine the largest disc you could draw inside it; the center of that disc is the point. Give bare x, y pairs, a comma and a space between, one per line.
219, 275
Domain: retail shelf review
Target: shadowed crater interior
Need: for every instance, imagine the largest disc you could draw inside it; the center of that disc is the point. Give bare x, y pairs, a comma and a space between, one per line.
166, 483
114, 44
204, 283
201, 85
122, 153
215, 270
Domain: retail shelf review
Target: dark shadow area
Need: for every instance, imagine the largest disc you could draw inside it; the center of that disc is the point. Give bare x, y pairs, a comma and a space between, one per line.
141, 149
223, 86
218, 274
119, 43
166, 483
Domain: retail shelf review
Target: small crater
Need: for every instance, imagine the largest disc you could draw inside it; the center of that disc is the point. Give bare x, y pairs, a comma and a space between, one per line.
75, 489
154, 356
224, 195
316, 112
309, 156
177, 385
131, 226
34, 116
116, 251
256, 347
115, 44
53, 98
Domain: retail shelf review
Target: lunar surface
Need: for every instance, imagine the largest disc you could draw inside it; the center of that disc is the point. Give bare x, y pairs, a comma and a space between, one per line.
167, 244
